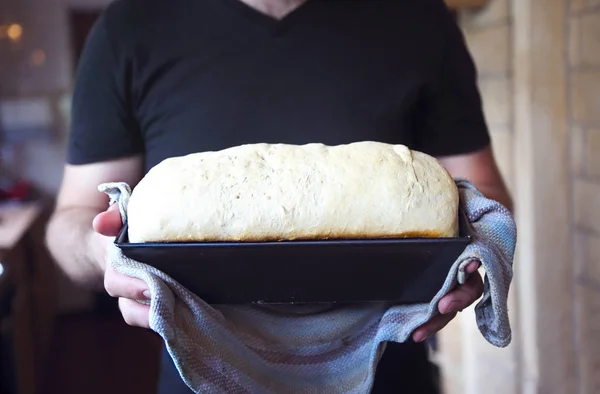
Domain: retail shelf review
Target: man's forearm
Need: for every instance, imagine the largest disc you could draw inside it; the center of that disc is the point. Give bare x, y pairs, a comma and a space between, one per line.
77, 249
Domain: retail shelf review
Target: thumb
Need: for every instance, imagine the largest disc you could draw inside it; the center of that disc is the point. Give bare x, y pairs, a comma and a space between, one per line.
108, 223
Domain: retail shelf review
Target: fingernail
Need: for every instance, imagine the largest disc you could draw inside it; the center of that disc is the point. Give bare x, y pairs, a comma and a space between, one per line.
452, 307
147, 294
472, 267
422, 337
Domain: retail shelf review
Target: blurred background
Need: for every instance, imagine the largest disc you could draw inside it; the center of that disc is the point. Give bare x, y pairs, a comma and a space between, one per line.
539, 75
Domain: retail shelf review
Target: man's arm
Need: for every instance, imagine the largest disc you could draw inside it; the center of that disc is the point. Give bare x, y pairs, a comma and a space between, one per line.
481, 169
73, 243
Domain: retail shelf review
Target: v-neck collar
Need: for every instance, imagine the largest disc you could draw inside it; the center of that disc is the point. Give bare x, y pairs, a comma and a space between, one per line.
260, 17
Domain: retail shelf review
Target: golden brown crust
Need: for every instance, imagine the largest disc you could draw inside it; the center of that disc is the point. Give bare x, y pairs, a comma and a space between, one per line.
331, 237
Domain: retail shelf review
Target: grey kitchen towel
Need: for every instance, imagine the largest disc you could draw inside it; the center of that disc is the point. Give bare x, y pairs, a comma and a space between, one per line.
315, 349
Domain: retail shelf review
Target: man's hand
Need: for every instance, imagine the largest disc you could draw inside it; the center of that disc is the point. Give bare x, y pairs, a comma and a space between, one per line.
81, 229
128, 290
480, 168
452, 303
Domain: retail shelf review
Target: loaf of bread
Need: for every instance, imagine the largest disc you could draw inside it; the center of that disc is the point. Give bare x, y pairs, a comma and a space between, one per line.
270, 192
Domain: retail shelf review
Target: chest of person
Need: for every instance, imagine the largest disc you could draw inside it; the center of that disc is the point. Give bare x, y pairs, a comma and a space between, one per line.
299, 80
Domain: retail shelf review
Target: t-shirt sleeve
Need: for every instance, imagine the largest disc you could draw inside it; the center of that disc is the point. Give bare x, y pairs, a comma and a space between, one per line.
450, 118
102, 123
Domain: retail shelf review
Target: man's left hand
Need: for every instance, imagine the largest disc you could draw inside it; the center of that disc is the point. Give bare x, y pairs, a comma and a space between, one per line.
452, 303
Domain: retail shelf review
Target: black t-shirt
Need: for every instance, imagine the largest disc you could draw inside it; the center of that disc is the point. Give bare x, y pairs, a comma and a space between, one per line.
170, 77
166, 78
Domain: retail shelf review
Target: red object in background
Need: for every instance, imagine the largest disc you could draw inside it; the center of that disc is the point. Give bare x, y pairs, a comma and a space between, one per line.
17, 191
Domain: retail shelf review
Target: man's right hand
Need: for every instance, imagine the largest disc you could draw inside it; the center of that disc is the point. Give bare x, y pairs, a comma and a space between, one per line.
127, 289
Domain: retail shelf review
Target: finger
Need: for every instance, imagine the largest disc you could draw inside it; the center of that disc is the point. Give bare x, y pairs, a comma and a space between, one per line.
134, 313
463, 296
119, 285
432, 326
109, 222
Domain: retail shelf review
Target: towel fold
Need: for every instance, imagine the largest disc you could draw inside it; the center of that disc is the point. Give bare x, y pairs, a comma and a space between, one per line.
315, 349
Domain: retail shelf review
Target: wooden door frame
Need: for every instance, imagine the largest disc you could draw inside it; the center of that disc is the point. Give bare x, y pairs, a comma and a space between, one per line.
544, 267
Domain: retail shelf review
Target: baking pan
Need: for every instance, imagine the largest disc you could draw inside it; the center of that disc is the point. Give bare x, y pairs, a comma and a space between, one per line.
407, 270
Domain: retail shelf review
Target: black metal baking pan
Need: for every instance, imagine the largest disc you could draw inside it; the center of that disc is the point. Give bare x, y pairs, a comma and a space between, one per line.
407, 270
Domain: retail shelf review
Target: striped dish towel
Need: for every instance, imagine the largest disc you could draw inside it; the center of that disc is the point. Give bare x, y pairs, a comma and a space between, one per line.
309, 349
